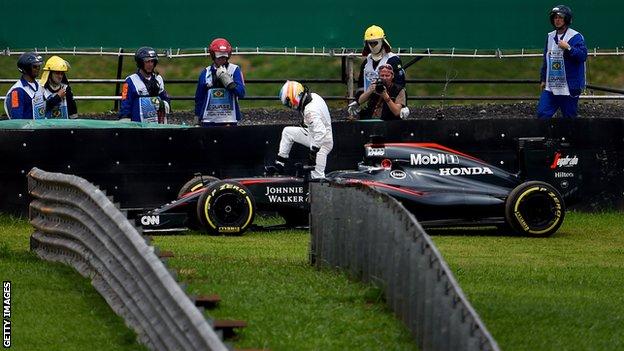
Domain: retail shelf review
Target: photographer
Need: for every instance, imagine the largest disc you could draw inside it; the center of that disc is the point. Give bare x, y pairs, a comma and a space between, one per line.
386, 100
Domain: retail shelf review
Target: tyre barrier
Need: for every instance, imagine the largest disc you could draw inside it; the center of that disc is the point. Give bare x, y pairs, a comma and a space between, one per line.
77, 224
375, 239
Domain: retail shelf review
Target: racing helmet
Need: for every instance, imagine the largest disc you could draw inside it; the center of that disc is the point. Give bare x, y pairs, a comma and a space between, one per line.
375, 33
292, 94
143, 54
55, 64
27, 60
220, 48
563, 11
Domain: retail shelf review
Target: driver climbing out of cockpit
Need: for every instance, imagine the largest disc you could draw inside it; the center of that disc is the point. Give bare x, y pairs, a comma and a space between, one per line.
315, 131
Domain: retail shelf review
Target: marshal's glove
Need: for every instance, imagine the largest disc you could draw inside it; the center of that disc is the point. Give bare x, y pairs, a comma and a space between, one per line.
353, 109
225, 78
404, 112
312, 155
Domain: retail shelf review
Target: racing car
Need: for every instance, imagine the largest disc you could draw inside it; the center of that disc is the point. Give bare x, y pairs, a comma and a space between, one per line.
443, 187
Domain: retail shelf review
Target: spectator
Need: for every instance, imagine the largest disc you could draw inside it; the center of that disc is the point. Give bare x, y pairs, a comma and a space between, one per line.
143, 96
386, 99
219, 87
563, 67
59, 98
377, 51
25, 100
314, 133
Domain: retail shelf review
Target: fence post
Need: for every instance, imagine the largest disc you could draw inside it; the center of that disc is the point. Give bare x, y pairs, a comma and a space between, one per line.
119, 71
349, 69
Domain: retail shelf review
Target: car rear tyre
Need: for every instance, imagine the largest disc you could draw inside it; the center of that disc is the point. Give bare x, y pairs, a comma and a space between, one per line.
226, 207
534, 209
196, 183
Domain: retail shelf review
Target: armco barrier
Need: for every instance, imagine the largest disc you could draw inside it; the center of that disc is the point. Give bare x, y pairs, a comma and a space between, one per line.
374, 238
77, 224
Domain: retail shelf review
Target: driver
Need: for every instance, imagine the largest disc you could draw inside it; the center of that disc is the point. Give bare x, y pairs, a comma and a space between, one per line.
314, 133
143, 96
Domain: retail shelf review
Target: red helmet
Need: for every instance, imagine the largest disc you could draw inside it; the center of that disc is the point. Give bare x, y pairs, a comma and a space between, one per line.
220, 45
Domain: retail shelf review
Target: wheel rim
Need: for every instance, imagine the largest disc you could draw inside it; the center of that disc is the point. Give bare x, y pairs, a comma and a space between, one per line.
538, 211
228, 209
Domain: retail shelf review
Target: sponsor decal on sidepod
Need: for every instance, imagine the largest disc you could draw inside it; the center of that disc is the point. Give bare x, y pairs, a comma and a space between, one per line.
285, 194
375, 151
566, 161
433, 159
465, 171
398, 174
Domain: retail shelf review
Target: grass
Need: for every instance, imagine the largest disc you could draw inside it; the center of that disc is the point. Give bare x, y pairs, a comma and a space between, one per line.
601, 71
264, 278
53, 307
558, 293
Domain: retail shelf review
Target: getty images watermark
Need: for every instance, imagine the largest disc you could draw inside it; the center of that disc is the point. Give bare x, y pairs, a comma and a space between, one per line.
6, 314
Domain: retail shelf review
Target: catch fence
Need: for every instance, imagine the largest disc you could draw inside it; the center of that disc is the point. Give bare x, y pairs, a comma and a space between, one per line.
348, 73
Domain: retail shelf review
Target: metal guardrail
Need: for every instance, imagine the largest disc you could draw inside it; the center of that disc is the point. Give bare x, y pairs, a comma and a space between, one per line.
75, 223
314, 51
374, 238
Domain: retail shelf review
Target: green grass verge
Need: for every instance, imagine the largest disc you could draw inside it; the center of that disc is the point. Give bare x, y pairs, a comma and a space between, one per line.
53, 307
559, 293
264, 278
601, 71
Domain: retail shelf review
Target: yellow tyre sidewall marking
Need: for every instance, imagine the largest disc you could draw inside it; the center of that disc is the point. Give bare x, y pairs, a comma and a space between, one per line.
521, 219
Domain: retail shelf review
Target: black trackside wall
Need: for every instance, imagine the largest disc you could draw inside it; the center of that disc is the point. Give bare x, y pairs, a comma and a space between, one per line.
143, 168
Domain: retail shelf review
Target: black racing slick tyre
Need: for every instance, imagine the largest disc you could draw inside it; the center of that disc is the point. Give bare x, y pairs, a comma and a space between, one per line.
226, 207
196, 183
534, 209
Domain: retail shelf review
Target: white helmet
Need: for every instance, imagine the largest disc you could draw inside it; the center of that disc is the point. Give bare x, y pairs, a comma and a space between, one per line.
291, 94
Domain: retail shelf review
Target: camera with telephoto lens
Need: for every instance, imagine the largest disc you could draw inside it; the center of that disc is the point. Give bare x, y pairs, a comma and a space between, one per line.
379, 87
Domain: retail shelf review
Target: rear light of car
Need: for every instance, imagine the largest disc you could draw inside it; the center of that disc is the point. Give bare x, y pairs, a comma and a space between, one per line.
386, 163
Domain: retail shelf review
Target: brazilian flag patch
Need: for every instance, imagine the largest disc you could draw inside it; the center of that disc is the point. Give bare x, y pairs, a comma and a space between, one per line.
217, 93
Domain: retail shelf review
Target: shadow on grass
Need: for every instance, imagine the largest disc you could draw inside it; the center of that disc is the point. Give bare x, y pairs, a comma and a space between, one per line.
475, 231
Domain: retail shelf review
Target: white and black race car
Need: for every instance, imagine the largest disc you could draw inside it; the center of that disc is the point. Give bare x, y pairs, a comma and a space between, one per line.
441, 186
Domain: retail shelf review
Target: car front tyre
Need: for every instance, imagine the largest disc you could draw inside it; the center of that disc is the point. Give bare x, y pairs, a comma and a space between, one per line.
226, 207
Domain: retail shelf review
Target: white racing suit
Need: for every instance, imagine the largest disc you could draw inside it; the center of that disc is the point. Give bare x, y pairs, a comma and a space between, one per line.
316, 133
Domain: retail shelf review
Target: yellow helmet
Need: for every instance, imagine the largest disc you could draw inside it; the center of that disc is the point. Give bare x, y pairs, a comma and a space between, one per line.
56, 64
374, 32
